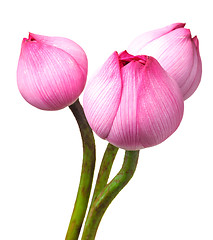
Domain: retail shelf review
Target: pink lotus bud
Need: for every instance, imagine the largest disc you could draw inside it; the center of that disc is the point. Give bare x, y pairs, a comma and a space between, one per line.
132, 102
51, 71
176, 51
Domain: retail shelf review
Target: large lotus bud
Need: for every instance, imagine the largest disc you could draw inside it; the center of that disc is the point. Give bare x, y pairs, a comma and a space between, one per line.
132, 102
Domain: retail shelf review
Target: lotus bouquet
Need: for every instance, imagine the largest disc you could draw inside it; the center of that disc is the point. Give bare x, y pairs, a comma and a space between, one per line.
134, 101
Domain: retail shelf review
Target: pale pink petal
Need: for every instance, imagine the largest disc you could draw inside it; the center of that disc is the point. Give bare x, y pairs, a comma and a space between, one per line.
124, 131
160, 105
174, 52
102, 96
68, 46
48, 77
194, 80
141, 41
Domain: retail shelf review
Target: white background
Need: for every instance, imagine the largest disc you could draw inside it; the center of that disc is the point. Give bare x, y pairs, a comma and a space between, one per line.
171, 195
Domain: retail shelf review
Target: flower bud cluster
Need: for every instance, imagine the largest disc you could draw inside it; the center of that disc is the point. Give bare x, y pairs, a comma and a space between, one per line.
135, 100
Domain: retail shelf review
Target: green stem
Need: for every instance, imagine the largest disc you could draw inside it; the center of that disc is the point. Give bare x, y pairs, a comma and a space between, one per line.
87, 172
105, 170
109, 193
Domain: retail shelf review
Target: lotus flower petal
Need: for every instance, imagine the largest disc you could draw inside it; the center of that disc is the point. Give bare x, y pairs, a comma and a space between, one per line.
102, 96
124, 132
141, 41
193, 81
160, 107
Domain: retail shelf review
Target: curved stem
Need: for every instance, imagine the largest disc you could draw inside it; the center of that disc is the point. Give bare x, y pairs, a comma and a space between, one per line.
109, 193
87, 172
105, 169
